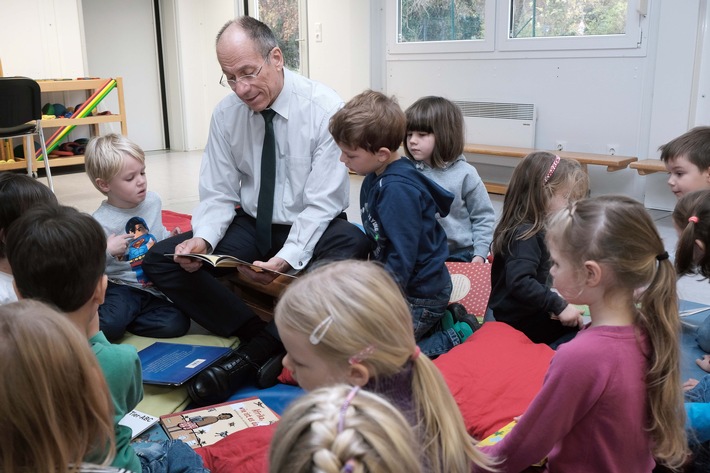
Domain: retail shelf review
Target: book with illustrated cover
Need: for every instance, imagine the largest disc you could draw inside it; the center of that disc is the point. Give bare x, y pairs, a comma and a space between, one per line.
228, 261
138, 422
173, 364
207, 425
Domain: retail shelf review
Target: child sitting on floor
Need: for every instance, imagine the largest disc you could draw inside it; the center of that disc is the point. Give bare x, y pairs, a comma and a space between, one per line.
399, 208
435, 140
359, 332
54, 405
520, 296
691, 217
611, 400
343, 429
58, 256
18, 192
132, 220
687, 159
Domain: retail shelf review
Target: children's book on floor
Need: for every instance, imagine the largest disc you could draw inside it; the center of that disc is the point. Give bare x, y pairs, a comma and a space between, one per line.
138, 422
207, 425
228, 261
173, 364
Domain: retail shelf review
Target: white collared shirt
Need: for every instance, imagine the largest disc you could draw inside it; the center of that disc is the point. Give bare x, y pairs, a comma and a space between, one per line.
312, 185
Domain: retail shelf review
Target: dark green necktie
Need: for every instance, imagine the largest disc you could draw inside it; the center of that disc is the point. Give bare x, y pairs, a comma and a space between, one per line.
265, 208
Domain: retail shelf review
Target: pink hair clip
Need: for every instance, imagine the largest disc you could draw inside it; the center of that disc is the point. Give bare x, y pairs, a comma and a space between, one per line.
693, 219
552, 169
319, 332
362, 355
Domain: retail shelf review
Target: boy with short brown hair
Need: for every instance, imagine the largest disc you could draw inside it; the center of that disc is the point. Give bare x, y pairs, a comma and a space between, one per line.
399, 208
687, 159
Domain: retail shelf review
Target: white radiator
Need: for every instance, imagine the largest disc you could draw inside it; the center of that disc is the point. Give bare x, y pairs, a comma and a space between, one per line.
497, 123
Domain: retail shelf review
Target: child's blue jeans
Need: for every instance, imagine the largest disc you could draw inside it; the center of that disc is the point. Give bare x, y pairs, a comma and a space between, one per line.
426, 316
168, 456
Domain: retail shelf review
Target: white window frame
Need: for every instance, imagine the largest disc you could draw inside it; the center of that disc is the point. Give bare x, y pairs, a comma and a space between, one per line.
439, 47
496, 42
631, 39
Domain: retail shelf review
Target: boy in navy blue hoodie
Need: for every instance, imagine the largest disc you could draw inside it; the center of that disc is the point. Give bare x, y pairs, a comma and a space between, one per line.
399, 206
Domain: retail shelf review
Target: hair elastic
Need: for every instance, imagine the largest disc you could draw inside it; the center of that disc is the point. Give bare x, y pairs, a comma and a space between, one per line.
349, 466
416, 353
552, 169
362, 355
319, 332
343, 409
662, 256
693, 219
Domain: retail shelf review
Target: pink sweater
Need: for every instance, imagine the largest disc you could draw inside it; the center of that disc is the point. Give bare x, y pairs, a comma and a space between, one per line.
590, 414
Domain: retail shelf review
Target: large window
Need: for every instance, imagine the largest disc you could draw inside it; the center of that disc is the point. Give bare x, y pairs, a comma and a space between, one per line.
451, 26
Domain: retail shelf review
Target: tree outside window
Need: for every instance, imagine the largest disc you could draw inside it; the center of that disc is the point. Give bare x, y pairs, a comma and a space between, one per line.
555, 18
283, 18
441, 20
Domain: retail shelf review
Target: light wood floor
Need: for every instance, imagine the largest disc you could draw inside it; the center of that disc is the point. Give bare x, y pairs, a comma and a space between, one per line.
174, 176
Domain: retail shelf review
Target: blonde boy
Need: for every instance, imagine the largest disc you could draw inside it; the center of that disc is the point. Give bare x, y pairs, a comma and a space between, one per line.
131, 217
687, 159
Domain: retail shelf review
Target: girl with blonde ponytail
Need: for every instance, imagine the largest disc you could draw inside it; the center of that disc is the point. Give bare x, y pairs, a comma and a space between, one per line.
348, 322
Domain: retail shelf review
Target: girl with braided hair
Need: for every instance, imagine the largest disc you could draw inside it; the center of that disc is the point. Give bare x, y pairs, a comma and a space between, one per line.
343, 429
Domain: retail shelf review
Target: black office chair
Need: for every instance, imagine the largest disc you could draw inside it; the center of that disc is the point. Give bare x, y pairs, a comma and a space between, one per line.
21, 115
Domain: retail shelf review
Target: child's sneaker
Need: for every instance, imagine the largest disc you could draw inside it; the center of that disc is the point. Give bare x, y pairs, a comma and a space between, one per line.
447, 321
463, 330
461, 315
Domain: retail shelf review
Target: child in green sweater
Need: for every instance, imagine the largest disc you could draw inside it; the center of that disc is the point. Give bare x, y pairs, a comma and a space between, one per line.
58, 255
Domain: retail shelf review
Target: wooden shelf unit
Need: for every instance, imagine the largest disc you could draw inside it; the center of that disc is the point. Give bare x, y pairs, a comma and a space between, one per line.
90, 86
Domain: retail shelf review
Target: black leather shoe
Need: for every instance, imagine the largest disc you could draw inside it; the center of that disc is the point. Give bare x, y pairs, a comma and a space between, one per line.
218, 382
269, 372
461, 315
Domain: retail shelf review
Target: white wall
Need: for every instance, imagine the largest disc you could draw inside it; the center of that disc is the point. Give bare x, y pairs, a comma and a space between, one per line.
192, 70
106, 43
41, 39
342, 59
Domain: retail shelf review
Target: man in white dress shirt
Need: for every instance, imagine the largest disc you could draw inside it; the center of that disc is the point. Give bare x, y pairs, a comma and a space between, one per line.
310, 194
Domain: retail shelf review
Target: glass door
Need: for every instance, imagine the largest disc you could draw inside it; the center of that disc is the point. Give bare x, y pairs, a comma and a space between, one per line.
288, 20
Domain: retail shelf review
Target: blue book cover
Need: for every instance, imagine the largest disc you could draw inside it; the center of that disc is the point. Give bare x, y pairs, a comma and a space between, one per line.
172, 364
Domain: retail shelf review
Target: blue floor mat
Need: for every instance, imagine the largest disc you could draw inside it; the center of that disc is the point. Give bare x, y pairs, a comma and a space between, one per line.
277, 398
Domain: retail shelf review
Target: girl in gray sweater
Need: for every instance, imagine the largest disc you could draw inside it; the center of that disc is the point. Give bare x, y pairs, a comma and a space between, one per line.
435, 141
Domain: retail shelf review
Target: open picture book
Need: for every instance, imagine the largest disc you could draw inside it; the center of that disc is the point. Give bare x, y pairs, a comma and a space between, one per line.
228, 261
207, 425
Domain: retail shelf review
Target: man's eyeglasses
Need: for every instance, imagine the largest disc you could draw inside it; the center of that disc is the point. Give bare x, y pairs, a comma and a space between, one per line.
245, 79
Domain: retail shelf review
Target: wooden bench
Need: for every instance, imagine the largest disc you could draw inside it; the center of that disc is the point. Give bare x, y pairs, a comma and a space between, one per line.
649, 166
612, 162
